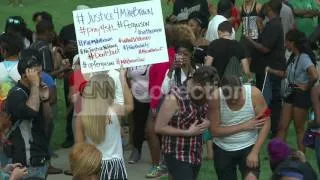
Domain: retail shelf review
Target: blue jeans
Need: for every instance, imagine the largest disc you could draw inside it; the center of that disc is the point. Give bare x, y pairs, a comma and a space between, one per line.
317, 150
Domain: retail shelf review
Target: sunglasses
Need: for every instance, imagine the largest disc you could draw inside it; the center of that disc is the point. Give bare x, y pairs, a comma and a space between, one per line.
13, 21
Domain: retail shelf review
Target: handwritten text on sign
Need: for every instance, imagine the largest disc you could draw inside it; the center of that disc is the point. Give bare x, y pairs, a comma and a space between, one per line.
128, 34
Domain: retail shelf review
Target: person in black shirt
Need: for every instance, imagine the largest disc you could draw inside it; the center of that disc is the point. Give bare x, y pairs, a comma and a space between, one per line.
25, 103
68, 41
221, 50
29, 106
270, 48
44, 31
183, 8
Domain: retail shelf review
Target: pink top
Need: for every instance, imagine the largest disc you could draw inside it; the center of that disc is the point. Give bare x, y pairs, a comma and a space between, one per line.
156, 74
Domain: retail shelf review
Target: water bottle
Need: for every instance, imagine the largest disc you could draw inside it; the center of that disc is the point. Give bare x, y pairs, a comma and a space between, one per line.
311, 116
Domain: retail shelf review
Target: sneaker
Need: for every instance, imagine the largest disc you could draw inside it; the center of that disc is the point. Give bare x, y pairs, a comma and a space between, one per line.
134, 157
53, 170
67, 173
163, 169
157, 171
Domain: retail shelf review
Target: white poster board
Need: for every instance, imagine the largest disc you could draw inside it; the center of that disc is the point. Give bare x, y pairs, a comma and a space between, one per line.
127, 34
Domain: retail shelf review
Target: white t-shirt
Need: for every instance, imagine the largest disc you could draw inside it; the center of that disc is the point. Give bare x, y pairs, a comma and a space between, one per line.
139, 80
212, 33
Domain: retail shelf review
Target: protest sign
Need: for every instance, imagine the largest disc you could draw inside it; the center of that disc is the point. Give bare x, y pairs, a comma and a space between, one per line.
127, 34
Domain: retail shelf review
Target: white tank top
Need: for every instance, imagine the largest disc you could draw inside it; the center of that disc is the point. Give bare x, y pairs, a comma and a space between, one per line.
228, 117
111, 147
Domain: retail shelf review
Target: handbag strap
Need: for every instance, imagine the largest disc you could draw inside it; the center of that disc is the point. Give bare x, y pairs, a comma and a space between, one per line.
295, 69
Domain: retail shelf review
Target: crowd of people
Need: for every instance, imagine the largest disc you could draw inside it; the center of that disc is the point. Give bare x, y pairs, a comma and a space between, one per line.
215, 92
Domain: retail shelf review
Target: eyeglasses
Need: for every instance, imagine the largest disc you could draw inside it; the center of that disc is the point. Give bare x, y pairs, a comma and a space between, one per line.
13, 21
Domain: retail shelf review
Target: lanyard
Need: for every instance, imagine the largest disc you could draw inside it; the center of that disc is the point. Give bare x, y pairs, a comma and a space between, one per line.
295, 69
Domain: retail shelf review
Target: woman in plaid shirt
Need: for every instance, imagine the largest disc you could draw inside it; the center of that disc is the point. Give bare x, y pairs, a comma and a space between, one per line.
182, 120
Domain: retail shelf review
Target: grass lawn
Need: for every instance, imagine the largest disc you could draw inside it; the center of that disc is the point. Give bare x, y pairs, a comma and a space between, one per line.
61, 12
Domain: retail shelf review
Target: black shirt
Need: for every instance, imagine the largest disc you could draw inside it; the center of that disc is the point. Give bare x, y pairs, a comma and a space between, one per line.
29, 140
222, 50
183, 8
271, 38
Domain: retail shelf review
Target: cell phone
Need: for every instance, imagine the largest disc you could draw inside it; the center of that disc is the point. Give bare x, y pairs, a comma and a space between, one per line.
266, 113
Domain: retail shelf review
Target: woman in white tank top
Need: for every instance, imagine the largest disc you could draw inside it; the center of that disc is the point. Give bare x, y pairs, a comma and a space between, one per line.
98, 122
239, 129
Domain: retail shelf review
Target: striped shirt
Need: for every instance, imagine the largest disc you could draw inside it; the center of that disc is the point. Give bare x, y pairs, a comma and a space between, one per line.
185, 149
229, 117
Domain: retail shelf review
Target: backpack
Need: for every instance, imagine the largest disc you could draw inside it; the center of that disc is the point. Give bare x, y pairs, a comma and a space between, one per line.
46, 54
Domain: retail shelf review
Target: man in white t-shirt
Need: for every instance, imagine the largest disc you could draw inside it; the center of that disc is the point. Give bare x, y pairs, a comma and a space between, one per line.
224, 12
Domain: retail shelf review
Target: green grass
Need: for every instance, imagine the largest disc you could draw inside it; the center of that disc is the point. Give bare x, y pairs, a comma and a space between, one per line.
61, 11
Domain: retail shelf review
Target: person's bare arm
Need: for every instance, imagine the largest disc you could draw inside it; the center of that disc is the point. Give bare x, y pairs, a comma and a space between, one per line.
47, 114
305, 13
33, 101
258, 8
128, 106
246, 68
313, 77
208, 60
240, 11
261, 48
79, 135
260, 106
47, 111
53, 95
167, 110
220, 131
312, 13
